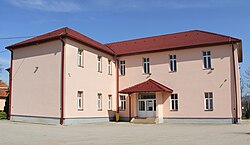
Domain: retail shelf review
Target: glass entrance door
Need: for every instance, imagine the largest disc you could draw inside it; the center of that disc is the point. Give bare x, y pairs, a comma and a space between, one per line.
146, 105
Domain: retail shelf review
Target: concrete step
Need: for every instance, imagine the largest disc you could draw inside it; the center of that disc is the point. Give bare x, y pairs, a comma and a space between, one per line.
143, 120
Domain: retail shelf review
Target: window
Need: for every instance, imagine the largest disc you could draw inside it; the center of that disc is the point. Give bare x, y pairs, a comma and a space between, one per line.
110, 102
172, 63
80, 58
122, 67
208, 101
122, 102
99, 101
174, 102
109, 67
146, 69
79, 100
99, 64
207, 60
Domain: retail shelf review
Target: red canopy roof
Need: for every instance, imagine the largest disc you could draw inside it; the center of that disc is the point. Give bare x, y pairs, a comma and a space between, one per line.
147, 86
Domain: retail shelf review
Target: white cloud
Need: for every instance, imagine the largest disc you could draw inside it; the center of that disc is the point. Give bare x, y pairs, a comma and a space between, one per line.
47, 5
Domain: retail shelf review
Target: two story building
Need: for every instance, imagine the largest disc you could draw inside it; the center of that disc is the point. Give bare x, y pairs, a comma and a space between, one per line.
65, 77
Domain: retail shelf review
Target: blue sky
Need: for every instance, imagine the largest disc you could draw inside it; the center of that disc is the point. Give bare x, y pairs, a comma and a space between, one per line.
116, 20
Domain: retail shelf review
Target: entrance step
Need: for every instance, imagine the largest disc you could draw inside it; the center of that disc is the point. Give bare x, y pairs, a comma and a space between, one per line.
143, 120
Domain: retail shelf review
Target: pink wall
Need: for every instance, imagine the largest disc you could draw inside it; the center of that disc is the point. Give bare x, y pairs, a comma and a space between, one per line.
37, 93
190, 81
88, 80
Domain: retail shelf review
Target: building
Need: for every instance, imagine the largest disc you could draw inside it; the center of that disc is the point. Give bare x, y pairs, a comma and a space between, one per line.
3, 94
190, 76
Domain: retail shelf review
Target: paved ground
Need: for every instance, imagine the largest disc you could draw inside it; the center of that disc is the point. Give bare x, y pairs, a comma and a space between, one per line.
14, 133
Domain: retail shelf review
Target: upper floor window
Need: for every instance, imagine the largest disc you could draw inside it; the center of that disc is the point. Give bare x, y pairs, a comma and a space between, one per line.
99, 64
174, 102
109, 67
122, 102
146, 68
99, 101
208, 101
79, 100
207, 59
109, 102
172, 62
80, 58
122, 67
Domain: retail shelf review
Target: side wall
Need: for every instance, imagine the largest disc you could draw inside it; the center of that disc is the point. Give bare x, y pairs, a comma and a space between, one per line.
190, 81
36, 82
91, 82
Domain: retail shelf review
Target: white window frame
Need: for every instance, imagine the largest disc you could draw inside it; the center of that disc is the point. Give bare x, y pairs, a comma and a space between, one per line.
109, 102
146, 65
109, 67
80, 58
173, 63
122, 67
99, 101
99, 63
122, 99
80, 100
174, 99
207, 59
210, 99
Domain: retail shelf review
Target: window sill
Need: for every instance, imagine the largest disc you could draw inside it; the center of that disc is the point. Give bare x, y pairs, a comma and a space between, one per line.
110, 74
99, 109
172, 71
208, 110
80, 66
80, 109
174, 110
121, 75
208, 68
122, 110
146, 73
99, 71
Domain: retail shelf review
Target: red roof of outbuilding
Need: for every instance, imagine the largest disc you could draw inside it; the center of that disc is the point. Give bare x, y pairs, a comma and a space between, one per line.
147, 86
57, 34
170, 41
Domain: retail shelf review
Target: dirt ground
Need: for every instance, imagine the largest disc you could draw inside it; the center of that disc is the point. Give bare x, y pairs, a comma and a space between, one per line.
15, 133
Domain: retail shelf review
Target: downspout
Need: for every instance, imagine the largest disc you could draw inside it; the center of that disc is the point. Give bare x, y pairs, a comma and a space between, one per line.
62, 83
10, 84
117, 84
235, 87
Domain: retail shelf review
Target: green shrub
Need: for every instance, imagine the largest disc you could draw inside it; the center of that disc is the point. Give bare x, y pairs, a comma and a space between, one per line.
3, 115
247, 114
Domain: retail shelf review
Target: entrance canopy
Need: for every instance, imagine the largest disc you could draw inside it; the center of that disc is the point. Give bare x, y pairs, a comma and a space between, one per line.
147, 86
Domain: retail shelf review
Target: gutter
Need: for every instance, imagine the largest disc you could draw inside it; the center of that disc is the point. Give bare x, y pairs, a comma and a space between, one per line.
62, 81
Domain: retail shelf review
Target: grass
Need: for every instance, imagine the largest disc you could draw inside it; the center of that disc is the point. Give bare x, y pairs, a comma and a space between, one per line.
3, 115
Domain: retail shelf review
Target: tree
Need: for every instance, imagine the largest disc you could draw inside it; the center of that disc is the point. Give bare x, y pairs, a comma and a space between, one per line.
245, 89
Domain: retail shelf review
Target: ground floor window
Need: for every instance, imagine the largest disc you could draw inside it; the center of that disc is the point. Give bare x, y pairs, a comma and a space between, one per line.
174, 102
99, 101
208, 101
122, 102
79, 100
110, 102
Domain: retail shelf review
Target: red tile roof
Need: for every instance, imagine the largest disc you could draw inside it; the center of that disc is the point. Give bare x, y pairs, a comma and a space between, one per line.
3, 93
170, 41
147, 86
3, 85
3, 89
182, 40
63, 32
